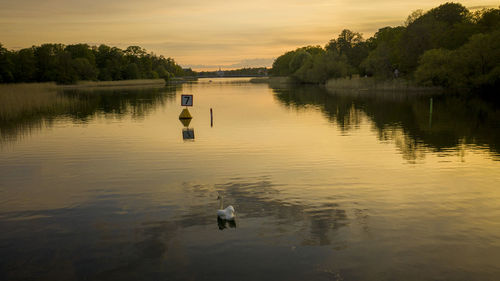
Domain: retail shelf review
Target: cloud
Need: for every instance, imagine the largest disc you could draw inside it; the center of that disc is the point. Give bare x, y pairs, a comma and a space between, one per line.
196, 32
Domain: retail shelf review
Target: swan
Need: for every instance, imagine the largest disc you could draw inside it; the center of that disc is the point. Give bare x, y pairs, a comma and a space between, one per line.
227, 213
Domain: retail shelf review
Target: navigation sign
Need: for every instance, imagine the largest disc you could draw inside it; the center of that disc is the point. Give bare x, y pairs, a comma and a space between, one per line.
187, 100
188, 134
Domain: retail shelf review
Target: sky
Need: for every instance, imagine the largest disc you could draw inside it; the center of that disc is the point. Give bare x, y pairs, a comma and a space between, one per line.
202, 34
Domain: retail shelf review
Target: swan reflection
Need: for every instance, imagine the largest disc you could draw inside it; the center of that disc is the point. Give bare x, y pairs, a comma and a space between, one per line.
223, 224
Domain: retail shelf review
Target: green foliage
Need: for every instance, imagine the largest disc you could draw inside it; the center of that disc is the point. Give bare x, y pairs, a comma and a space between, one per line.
385, 56
487, 20
132, 71
437, 69
68, 64
323, 66
312, 64
81, 51
447, 26
84, 69
5, 66
446, 46
25, 62
300, 58
352, 45
281, 66
474, 65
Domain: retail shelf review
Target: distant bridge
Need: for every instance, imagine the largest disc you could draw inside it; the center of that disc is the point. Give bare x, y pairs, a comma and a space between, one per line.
229, 76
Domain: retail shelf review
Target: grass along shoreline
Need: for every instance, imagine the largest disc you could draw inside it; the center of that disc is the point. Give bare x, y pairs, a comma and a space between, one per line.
355, 84
370, 83
120, 83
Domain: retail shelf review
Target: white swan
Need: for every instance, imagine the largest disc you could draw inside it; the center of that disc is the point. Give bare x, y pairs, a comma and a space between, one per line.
227, 213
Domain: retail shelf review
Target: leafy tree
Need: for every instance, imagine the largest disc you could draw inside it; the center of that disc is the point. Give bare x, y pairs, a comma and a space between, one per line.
300, 58
64, 71
474, 65
414, 16
46, 60
5, 66
447, 26
132, 71
81, 51
281, 66
84, 69
135, 52
324, 66
446, 46
68, 64
352, 45
25, 65
437, 68
487, 20
385, 57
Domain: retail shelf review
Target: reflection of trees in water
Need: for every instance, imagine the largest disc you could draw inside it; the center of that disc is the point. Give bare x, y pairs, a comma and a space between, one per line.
41, 109
97, 241
315, 223
404, 117
136, 103
261, 199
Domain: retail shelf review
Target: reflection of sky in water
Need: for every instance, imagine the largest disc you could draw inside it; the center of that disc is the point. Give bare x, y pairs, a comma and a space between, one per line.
359, 195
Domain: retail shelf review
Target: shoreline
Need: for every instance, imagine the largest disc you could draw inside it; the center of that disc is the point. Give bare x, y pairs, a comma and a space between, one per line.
119, 83
370, 83
358, 84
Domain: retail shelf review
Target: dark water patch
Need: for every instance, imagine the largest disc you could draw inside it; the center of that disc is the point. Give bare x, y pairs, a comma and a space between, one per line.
80, 106
112, 192
452, 122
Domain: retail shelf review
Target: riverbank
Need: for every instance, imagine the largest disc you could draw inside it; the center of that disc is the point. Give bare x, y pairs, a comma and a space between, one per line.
121, 83
355, 84
370, 83
181, 80
22, 100
18, 99
273, 81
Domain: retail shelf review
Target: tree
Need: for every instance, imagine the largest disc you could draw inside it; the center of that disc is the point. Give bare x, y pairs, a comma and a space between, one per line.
47, 61
345, 42
299, 59
25, 65
135, 51
352, 45
446, 26
81, 51
132, 71
414, 16
487, 20
67, 64
84, 69
281, 66
386, 56
5, 66
475, 65
437, 68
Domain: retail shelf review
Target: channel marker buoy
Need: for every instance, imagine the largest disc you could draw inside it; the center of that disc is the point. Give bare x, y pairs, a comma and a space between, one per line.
185, 114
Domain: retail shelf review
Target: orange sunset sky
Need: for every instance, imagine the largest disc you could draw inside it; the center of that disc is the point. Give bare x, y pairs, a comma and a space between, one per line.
202, 34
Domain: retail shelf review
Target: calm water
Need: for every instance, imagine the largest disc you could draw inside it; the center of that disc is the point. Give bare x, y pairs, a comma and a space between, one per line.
326, 186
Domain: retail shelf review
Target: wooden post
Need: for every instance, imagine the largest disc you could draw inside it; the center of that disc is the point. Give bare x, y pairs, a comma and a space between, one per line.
211, 118
430, 114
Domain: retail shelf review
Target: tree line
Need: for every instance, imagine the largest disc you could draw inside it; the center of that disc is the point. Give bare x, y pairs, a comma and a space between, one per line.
447, 46
67, 64
246, 71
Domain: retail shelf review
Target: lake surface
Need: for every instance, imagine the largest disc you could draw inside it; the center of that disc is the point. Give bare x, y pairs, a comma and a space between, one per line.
99, 184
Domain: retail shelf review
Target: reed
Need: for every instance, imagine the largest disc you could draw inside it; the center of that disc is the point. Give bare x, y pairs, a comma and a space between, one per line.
22, 100
122, 83
370, 83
